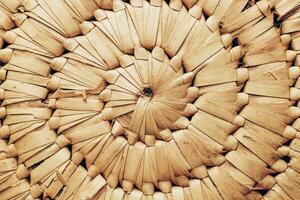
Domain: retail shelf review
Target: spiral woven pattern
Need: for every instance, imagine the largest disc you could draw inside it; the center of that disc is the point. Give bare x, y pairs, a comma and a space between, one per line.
149, 100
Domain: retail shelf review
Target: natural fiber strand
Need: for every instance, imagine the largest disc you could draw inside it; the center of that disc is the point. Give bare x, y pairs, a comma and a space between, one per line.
140, 100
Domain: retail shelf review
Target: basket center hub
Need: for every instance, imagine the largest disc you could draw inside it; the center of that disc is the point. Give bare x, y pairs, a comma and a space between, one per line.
148, 91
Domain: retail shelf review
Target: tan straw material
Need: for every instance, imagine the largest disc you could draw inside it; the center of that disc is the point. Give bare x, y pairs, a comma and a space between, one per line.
149, 100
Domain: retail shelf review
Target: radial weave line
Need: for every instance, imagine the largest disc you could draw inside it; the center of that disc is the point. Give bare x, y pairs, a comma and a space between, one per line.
149, 100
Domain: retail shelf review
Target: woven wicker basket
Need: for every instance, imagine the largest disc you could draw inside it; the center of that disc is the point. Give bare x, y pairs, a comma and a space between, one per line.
150, 100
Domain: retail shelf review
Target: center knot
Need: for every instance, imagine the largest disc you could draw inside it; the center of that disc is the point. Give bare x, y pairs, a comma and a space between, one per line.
148, 91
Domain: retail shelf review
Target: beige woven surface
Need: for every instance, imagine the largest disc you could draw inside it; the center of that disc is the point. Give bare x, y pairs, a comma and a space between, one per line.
150, 100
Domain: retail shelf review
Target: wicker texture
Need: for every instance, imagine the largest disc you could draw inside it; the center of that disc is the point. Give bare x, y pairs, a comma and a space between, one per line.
140, 100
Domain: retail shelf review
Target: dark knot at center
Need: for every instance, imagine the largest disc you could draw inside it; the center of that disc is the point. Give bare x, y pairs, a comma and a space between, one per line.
147, 91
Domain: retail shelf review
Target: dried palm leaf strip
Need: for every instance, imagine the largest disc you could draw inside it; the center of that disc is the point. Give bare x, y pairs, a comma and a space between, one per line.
69, 76
13, 177
44, 39
284, 9
53, 14
5, 22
